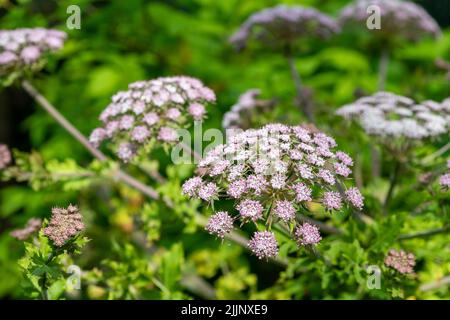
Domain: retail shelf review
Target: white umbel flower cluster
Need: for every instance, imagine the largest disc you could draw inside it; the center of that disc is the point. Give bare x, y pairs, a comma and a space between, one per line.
388, 115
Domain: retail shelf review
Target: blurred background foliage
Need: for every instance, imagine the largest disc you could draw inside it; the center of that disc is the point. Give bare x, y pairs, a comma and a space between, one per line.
123, 41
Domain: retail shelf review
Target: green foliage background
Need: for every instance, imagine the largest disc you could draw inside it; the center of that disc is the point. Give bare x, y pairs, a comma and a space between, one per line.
123, 41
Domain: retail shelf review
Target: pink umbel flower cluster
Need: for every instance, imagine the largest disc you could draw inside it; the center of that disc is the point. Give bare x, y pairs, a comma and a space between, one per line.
151, 110
273, 172
264, 245
401, 261
444, 180
245, 110
220, 224
387, 115
5, 156
23, 50
307, 234
283, 25
32, 226
399, 19
64, 225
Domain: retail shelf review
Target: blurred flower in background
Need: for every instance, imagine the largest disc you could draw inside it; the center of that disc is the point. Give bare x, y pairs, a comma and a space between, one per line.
151, 110
282, 26
388, 116
399, 19
5, 156
243, 113
32, 226
23, 51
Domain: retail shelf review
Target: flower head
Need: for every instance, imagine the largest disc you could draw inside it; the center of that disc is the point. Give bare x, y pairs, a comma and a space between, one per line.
32, 226
250, 209
220, 224
208, 191
355, 197
444, 181
64, 225
167, 134
399, 19
126, 151
307, 234
282, 25
332, 200
24, 50
264, 245
284, 210
401, 261
191, 186
389, 116
197, 111
256, 170
151, 110
5, 156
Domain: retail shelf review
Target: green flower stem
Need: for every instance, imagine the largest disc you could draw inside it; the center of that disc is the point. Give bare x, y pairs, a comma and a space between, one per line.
300, 99
44, 278
190, 280
383, 68
312, 249
393, 182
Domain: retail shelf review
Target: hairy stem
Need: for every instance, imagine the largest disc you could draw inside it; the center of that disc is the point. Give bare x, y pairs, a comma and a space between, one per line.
198, 286
300, 99
191, 281
55, 114
192, 152
438, 153
425, 234
435, 284
51, 110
